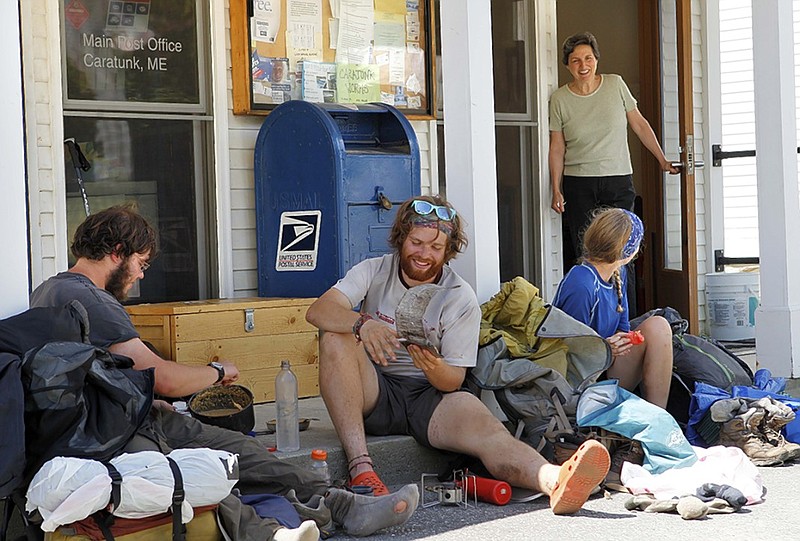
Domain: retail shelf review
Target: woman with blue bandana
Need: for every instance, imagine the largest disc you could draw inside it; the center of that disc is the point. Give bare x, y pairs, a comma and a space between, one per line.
594, 293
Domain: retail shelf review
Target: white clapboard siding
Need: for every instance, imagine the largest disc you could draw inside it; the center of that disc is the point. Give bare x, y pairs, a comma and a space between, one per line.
796, 20
740, 195
41, 72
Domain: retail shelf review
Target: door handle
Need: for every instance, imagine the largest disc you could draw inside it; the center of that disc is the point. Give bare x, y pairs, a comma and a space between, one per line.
698, 164
384, 201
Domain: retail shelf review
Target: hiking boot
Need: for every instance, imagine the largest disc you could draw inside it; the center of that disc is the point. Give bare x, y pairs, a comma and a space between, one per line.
743, 431
565, 445
627, 451
777, 416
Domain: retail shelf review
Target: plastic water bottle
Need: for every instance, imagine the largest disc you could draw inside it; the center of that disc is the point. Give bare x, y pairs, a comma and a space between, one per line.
287, 429
319, 464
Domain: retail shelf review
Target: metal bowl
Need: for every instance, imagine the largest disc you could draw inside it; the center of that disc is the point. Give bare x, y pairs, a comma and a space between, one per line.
228, 407
303, 423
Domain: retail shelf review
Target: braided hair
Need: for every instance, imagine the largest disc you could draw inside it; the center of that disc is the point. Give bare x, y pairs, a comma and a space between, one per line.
605, 240
618, 286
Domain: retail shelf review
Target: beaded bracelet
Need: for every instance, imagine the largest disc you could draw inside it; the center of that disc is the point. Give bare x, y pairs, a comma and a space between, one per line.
363, 318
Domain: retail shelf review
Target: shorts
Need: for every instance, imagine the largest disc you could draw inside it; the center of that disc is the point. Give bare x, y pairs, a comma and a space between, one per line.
405, 406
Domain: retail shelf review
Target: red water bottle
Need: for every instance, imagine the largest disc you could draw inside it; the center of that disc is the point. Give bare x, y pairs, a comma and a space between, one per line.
488, 490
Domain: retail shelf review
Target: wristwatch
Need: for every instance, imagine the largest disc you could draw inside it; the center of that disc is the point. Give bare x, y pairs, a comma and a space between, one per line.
220, 370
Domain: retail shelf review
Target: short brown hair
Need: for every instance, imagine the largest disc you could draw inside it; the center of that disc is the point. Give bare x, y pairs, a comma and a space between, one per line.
119, 230
581, 38
404, 223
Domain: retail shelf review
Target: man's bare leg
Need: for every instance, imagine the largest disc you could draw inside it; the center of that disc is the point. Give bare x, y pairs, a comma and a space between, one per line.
461, 423
349, 387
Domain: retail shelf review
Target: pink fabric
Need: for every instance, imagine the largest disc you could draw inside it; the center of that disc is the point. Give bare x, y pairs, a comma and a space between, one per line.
719, 465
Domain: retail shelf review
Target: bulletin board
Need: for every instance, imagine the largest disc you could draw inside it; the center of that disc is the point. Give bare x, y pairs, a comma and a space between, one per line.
339, 51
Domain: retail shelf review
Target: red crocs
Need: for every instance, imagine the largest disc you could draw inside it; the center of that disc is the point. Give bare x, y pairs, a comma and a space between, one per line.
584, 470
370, 479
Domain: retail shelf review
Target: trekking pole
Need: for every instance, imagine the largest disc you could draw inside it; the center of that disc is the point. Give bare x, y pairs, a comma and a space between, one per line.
80, 163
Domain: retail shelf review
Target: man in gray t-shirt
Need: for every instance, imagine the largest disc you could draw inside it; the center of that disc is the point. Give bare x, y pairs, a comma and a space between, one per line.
372, 384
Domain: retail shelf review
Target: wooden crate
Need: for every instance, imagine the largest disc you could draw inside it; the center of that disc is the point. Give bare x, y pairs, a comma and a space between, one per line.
254, 333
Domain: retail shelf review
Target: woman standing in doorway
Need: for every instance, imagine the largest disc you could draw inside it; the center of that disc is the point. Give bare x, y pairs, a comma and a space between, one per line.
594, 293
590, 163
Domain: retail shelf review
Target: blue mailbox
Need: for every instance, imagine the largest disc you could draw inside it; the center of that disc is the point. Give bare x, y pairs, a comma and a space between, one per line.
328, 180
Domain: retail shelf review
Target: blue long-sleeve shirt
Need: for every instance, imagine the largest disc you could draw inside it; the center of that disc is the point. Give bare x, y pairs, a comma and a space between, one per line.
584, 295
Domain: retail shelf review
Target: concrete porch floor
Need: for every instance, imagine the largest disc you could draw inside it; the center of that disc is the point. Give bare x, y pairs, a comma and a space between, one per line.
398, 459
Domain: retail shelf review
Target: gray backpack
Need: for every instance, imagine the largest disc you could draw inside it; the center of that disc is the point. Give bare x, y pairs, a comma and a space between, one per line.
538, 403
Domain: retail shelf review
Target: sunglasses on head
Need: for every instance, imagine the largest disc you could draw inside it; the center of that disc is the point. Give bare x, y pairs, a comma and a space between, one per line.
423, 208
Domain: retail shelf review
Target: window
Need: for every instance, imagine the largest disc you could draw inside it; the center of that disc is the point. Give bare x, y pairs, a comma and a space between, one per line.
135, 102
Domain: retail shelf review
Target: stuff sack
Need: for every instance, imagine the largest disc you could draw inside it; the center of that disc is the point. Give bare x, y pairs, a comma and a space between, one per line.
68, 489
12, 409
694, 359
81, 401
609, 406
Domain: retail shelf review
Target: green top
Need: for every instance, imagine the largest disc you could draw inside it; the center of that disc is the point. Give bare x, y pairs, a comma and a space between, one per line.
595, 128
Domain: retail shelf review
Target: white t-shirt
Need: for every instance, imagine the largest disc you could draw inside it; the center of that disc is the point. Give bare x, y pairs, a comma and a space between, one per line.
452, 319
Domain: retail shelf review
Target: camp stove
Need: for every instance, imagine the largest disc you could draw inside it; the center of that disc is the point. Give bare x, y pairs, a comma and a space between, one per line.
456, 493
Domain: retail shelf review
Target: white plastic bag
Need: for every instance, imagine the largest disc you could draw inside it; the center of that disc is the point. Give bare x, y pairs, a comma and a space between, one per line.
67, 489
209, 475
147, 486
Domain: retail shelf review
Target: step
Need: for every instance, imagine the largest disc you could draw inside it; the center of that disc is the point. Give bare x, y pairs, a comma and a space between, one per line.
398, 459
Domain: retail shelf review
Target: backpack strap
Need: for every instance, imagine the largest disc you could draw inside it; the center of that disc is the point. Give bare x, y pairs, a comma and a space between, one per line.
104, 521
105, 518
559, 424
178, 495
558, 399
116, 484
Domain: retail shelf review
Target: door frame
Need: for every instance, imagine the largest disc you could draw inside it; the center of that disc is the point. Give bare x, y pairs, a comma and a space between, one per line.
663, 286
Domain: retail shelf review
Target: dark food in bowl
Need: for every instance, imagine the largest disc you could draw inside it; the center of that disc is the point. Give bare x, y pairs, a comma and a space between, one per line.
228, 407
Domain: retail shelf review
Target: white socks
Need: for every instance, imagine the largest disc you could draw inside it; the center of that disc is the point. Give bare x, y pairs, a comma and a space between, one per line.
307, 531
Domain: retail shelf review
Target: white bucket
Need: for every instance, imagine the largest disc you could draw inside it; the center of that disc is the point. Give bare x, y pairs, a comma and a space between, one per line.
732, 299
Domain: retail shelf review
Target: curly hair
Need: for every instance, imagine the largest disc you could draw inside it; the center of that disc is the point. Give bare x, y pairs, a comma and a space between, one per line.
404, 223
581, 38
119, 230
